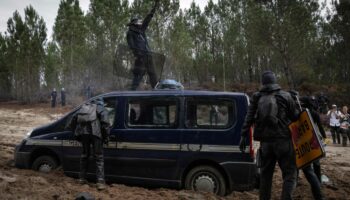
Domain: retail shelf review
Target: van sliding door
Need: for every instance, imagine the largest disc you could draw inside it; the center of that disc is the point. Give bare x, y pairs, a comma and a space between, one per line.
149, 145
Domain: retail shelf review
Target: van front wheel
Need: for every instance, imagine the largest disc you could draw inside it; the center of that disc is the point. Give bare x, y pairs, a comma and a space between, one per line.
206, 179
44, 164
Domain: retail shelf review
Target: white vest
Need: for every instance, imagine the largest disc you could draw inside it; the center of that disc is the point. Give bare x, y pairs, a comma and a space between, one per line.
333, 121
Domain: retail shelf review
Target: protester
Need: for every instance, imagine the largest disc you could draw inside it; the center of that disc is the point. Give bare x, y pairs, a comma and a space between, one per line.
312, 172
91, 129
53, 98
344, 125
63, 97
272, 110
137, 41
314, 103
322, 101
88, 92
334, 123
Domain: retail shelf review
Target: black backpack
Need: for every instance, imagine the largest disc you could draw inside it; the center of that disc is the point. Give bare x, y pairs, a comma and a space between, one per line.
266, 114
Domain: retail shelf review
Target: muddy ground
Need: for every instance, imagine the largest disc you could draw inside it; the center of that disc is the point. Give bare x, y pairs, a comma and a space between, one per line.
16, 120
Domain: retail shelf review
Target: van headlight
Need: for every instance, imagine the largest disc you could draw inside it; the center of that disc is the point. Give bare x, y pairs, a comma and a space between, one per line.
28, 134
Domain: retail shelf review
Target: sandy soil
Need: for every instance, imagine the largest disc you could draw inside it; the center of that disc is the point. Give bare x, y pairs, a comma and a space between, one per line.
16, 120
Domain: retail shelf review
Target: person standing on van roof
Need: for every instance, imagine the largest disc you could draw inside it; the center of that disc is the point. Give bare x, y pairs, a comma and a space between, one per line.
271, 110
137, 41
91, 127
53, 98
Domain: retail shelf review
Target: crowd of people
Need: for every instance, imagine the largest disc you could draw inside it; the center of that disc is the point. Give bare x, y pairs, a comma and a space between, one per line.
53, 98
339, 121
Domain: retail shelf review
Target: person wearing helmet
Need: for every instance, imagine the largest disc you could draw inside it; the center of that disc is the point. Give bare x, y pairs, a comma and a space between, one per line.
137, 42
169, 84
91, 128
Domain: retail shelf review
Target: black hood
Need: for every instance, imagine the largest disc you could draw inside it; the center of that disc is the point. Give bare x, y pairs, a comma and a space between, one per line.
270, 88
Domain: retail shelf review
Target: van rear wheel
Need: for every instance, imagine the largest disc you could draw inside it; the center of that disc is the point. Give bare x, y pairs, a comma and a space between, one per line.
206, 179
44, 164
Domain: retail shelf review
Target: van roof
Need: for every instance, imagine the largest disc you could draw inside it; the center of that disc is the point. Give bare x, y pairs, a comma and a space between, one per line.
172, 92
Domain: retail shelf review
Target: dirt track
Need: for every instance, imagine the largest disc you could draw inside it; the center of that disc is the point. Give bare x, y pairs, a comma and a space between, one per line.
16, 121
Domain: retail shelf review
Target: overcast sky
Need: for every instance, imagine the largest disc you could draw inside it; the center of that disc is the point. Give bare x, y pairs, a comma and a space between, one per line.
48, 9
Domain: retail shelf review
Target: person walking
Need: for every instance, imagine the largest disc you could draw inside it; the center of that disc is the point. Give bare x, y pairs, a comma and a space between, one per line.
53, 98
334, 123
137, 42
91, 129
271, 111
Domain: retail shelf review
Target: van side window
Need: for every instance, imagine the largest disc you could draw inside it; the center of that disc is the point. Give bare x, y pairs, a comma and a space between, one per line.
110, 104
160, 112
210, 114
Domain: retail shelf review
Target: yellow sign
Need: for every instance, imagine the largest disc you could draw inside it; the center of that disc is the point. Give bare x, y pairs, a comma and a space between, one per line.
305, 136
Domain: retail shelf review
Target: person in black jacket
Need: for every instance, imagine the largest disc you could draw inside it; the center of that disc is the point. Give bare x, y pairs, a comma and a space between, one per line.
312, 106
137, 41
63, 97
53, 98
275, 141
312, 172
91, 135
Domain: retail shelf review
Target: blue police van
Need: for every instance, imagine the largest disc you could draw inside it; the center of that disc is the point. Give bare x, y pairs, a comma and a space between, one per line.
161, 138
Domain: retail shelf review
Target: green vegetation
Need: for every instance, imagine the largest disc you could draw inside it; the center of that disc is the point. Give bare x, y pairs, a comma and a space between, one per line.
233, 41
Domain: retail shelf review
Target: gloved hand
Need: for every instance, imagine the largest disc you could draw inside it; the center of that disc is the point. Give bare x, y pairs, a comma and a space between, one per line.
242, 144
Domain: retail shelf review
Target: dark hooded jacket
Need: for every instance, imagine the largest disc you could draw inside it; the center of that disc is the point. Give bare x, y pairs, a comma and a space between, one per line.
98, 128
287, 113
307, 102
136, 36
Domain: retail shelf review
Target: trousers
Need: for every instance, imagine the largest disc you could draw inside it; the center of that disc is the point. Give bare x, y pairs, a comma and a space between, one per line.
314, 182
335, 134
90, 142
143, 65
345, 135
280, 151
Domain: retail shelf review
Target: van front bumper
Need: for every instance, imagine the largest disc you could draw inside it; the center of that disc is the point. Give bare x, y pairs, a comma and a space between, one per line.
21, 158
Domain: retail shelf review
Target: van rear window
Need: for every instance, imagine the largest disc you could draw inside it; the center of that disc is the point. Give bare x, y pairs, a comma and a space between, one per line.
158, 112
209, 114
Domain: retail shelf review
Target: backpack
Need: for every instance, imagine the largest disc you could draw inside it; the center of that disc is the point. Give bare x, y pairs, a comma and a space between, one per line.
266, 114
87, 113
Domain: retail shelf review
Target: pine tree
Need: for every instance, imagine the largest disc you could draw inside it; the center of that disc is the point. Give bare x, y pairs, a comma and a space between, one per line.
70, 34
